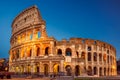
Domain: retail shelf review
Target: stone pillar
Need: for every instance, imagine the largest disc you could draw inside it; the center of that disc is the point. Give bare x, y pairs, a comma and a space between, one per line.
51, 49
41, 68
86, 59
50, 67
34, 34
43, 31
92, 57
62, 66
33, 68
33, 50
26, 37
98, 71
63, 50
25, 67
73, 51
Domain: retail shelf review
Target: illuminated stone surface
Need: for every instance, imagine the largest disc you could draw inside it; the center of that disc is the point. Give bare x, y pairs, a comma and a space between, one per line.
33, 51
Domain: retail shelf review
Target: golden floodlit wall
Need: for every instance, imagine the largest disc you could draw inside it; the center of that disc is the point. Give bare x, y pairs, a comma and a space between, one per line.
32, 51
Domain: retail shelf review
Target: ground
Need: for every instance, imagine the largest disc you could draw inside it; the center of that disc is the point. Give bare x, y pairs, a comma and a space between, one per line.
70, 78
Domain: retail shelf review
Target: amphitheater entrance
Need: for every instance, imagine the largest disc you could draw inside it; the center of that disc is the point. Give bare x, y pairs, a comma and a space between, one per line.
28, 69
89, 70
37, 69
68, 70
100, 71
77, 70
56, 69
46, 69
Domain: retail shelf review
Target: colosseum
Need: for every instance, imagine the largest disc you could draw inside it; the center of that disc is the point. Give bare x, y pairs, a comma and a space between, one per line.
32, 51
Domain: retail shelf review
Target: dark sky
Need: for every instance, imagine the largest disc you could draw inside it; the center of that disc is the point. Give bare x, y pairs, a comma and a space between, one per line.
94, 19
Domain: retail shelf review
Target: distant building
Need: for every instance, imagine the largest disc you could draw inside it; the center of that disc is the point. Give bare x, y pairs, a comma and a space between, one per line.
33, 51
4, 65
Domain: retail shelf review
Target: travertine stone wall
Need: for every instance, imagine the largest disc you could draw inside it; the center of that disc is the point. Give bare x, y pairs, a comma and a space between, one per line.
32, 51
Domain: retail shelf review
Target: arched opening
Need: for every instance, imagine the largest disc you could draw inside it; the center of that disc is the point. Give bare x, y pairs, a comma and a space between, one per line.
111, 59
95, 56
46, 69
17, 54
38, 69
104, 71
16, 69
108, 59
22, 53
77, 54
83, 41
56, 69
46, 51
89, 70
100, 57
38, 34
89, 48
107, 51
38, 51
95, 70
59, 52
13, 55
30, 53
68, 52
83, 55
31, 36
100, 71
28, 69
89, 56
68, 70
22, 69
77, 70
104, 57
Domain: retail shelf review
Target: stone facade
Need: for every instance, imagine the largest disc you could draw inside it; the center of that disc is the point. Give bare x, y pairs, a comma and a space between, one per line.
33, 51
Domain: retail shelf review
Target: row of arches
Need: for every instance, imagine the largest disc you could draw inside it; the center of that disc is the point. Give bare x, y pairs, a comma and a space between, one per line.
68, 52
28, 52
26, 36
100, 71
100, 57
89, 55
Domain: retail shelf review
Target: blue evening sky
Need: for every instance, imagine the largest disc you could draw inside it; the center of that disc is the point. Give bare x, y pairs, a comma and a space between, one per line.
94, 19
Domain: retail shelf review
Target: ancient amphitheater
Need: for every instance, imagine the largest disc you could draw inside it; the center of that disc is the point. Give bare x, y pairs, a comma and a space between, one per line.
32, 51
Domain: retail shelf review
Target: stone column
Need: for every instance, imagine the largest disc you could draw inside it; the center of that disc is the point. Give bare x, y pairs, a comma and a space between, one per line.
50, 67
92, 57
51, 49
86, 58
26, 38
34, 34
43, 31
33, 68
98, 71
41, 68
33, 50
62, 66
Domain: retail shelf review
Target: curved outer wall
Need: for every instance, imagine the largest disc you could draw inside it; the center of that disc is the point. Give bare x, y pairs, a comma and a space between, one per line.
33, 52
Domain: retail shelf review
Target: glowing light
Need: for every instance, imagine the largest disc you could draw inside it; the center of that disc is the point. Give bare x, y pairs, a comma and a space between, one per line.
113, 66
65, 64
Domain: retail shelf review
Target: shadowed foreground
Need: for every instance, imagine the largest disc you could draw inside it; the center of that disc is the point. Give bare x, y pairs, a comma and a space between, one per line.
68, 78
